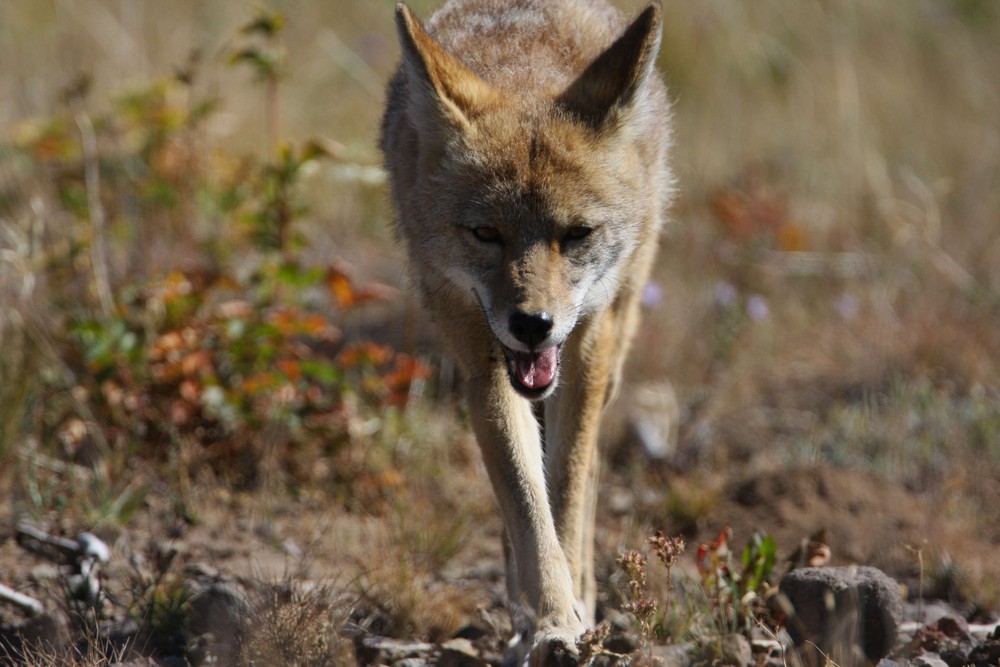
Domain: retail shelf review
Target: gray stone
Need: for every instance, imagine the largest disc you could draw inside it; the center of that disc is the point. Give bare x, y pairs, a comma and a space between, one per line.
219, 614
654, 418
928, 660
928, 611
732, 650
736, 650
172, 661
459, 652
674, 655
388, 651
838, 608
987, 653
220, 609
48, 633
886, 662
411, 662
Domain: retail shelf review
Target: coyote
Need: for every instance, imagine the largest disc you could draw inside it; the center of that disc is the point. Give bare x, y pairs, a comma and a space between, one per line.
526, 145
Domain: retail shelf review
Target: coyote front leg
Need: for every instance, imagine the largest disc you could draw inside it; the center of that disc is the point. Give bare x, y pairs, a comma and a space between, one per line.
508, 436
572, 422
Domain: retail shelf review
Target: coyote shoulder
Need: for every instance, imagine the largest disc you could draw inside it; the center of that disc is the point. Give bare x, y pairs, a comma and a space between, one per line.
526, 145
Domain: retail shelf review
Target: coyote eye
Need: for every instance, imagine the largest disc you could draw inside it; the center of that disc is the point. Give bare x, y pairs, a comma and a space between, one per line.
486, 234
577, 233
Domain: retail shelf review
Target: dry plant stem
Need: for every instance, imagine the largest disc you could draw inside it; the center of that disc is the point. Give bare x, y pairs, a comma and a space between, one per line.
20, 600
40, 335
353, 64
922, 224
273, 132
92, 174
919, 553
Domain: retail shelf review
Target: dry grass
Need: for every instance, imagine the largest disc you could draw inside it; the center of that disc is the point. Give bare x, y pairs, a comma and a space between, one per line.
859, 144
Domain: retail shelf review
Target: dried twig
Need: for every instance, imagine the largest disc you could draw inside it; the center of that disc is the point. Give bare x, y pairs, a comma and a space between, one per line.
49, 546
24, 602
92, 174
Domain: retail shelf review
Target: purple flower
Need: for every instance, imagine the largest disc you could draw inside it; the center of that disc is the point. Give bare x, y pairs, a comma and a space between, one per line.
652, 294
847, 306
725, 294
757, 308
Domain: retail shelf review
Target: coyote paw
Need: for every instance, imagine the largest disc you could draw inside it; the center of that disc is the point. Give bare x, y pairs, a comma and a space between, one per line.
554, 649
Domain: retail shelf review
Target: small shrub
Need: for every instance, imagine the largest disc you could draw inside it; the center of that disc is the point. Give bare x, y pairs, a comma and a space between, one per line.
224, 356
736, 590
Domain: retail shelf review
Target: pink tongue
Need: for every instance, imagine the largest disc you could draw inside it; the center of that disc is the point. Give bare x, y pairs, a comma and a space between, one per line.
536, 370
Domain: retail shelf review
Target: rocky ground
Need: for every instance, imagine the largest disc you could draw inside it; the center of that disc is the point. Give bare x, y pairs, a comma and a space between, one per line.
295, 585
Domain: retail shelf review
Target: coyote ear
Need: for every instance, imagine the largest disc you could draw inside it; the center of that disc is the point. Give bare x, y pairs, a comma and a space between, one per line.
437, 78
612, 83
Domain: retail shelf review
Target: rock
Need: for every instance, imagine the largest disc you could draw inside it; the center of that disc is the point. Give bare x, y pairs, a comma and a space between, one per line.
837, 608
172, 661
953, 626
674, 655
987, 653
459, 653
771, 653
928, 611
736, 650
733, 650
928, 660
219, 614
954, 658
622, 643
117, 636
654, 418
948, 637
471, 632
411, 662
886, 662
48, 632
45, 572
388, 651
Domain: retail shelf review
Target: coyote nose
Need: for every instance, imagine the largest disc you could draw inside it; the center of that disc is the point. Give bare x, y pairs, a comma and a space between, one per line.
530, 328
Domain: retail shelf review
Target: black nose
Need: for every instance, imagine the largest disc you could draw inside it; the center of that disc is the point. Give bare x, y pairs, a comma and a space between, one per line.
530, 328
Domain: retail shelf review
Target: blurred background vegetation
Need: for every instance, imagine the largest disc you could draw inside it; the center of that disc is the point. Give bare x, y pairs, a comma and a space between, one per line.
199, 286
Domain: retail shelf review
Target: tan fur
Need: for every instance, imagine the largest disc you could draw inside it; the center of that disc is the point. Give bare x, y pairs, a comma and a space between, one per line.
526, 144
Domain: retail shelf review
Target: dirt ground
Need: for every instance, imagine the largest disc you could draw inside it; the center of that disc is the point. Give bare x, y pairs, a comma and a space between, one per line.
868, 520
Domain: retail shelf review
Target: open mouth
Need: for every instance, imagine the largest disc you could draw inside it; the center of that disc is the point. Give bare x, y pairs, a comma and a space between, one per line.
533, 373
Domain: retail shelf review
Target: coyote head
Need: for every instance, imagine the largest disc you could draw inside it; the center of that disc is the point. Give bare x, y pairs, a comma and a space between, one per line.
529, 202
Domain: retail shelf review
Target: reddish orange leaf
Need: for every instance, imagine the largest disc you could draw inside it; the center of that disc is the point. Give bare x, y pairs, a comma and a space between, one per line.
792, 238
711, 552
181, 412
341, 288
367, 352
398, 382
259, 382
747, 213
284, 320
165, 344
347, 295
290, 368
190, 391
198, 362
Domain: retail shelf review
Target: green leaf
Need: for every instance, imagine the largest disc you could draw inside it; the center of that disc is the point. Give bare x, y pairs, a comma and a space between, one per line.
324, 372
759, 557
293, 275
267, 24
265, 64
